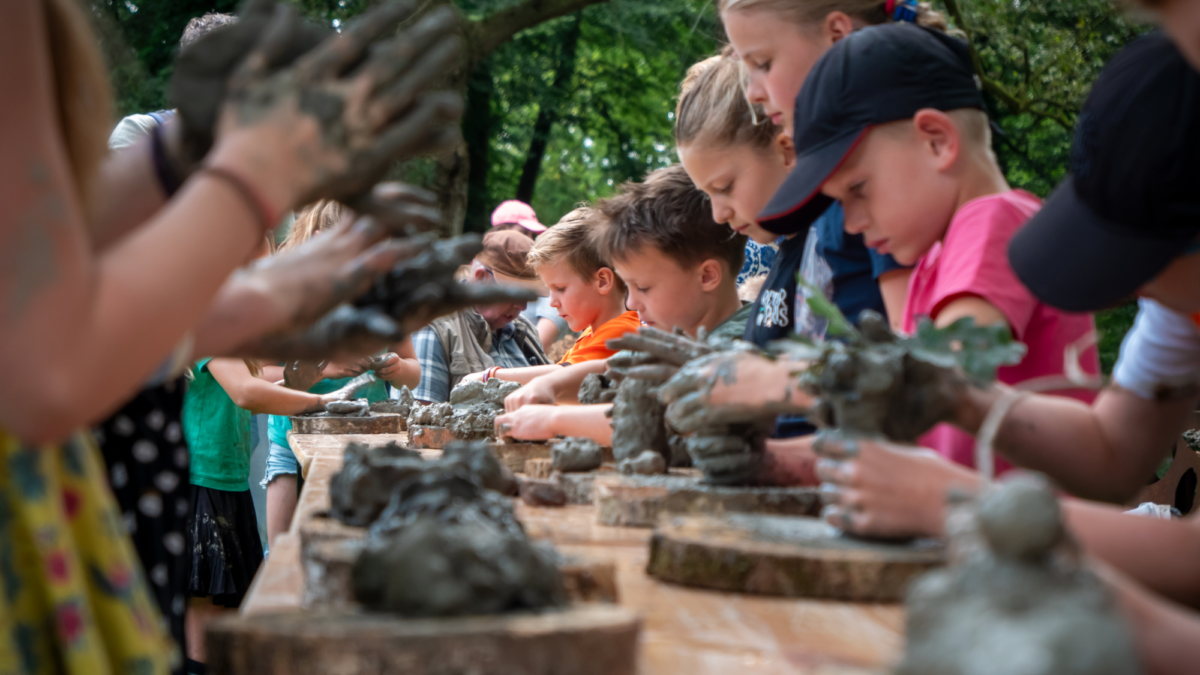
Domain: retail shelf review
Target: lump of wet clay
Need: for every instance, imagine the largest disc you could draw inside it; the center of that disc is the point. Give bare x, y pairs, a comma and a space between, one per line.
649, 463
490, 394
396, 406
637, 420
536, 492
479, 460
597, 388
362, 489
447, 546
435, 415
576, 454
356, 408
473, 423
1017, 598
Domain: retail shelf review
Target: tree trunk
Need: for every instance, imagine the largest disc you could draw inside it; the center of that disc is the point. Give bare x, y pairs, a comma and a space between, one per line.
477, 127
548, 111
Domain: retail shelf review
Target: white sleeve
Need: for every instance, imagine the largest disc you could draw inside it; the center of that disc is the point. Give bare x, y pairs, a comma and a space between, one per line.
1161, 351
130, 130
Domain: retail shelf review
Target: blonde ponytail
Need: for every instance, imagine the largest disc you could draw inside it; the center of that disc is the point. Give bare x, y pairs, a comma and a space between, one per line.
713, 108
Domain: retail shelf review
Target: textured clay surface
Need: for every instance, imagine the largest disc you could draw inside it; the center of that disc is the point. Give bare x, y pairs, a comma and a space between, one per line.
575, 455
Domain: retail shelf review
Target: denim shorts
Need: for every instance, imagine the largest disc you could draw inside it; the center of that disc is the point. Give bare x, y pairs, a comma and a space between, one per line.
281, 461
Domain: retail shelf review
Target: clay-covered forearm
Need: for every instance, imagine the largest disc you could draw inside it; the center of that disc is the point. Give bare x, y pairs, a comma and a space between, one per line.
1161, 555
127, 194
1104, 452
586, 421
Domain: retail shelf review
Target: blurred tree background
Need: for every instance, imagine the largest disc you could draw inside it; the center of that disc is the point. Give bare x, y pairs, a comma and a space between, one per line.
581, 98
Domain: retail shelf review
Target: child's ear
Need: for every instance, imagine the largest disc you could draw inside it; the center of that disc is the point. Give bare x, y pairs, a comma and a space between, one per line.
939, 136
605, 280
786, 149
712, 272
837, 25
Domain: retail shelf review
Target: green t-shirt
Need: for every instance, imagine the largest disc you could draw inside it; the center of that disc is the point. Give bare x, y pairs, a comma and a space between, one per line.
217, 433
279, 426
735, 326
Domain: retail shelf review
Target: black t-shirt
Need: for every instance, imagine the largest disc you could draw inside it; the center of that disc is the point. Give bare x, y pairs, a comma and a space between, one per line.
771, 315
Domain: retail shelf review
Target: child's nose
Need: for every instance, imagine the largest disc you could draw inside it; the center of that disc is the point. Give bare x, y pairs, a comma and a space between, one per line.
856, 221
722, 214
755, 92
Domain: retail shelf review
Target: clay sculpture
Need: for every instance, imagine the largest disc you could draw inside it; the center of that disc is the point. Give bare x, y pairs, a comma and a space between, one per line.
471, 412
575, 454
1017, 598
649, 463
446, 546
356, 408
727, 453
360, 491
597, 388
536, 492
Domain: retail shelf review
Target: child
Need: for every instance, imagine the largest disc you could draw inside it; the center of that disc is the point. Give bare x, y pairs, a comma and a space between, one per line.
680, 267
400, 369
583, 288
740, 160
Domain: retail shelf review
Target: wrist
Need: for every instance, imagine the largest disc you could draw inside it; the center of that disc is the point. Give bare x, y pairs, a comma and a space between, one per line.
974, 404
242, 155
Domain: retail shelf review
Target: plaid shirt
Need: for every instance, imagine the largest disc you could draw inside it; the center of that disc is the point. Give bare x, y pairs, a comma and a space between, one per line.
435, 374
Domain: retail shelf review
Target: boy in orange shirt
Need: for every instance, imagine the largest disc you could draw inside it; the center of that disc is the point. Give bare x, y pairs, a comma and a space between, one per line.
583, 288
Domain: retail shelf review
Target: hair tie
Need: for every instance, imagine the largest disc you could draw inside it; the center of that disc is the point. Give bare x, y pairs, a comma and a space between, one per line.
903, 10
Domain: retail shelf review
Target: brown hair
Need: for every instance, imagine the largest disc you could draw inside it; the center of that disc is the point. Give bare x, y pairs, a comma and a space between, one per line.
810, 12
668, 212
318, 216
200, 26
713, 109
82, 91
573, 239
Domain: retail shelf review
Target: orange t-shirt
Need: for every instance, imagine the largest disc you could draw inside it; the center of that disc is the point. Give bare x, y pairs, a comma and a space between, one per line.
590, 345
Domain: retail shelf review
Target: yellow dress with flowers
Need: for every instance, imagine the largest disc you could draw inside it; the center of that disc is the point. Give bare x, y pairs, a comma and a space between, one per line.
73, 598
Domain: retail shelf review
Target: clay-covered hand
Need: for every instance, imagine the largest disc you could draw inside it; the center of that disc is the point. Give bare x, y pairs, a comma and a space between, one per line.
345, 332
422, 288
537, 392
530, 423
302, 374
672, 348
345, 111
386, 366
726, 459
729, 387
873, 488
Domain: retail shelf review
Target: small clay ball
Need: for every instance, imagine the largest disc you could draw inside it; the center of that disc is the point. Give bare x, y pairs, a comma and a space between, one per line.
542, 493
1020, 519
649, 463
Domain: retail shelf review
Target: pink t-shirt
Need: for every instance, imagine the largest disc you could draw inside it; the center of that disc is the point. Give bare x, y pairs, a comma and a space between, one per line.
972, 260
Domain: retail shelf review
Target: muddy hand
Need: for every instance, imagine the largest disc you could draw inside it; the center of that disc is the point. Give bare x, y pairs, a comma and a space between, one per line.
346, 332
671, 348
399, 209
724, 388
725, 459
349, 109
302, 374
873, 488
422, 288
200, 82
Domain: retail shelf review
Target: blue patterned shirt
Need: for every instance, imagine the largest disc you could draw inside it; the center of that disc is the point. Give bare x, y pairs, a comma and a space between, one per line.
435, 373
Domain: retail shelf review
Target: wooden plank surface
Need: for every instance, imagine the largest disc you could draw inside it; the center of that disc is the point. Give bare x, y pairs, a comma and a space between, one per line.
308, 447
685, 630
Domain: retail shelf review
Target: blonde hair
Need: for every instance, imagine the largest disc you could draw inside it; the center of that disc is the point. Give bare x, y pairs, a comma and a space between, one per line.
316, 217
85, 109
573, 239
812, 12
713, 108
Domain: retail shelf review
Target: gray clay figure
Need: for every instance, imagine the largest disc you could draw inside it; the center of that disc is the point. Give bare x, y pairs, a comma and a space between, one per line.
576, 454
446, 546
728, 453
1017, 598
597, 388
355, 408
649, 463
471, 412
360, 491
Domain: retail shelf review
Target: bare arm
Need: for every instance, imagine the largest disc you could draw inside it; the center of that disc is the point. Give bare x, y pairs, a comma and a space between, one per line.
127, 196
893, 286
1166, 635
558, 386
520, 375
259, 396
547, 332
544, 422
1162, 555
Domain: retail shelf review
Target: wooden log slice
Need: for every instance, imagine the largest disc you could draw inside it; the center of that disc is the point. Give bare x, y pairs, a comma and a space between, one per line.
579, 486
785, 556
638, 501
580, 640
514, 455
375, 423
436, 438
1177, 487
322, 528
589, 579
538, 468
329, 574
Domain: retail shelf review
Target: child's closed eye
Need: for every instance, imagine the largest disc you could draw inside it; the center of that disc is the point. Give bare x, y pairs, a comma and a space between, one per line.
856, 190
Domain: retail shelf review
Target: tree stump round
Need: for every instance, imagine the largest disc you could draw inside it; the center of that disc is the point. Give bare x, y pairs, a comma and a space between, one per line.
786, 556
374, 423
639, 501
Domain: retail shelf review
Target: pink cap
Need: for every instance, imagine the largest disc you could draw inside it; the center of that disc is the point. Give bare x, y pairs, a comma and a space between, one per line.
519, 213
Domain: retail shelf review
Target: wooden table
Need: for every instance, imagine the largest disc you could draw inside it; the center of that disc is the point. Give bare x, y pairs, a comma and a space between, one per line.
685, 630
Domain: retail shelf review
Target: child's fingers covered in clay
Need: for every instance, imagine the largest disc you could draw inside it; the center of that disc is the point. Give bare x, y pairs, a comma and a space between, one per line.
531, 423
885, 490
535, 393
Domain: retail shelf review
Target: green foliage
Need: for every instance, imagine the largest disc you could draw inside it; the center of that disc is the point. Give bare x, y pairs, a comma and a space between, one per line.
837, 323
978, 350
1111, 326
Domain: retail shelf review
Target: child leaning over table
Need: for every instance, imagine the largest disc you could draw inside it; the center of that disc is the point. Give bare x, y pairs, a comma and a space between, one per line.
681, 270
583, 288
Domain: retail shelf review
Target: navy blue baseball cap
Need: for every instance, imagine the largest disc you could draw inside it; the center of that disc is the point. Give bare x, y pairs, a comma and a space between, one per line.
1131, 203
873, 76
